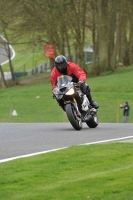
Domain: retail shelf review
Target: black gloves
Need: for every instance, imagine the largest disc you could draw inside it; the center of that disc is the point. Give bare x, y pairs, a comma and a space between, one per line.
81, 83
53, 93
82, 86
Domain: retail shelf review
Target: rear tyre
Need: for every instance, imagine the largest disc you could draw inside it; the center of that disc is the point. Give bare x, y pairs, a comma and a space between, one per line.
93, 121
74, 120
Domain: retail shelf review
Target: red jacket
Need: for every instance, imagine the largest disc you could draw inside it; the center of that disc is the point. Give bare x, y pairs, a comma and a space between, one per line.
72, 69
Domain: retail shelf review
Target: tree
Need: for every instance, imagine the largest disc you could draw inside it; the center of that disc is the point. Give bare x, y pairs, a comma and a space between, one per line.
6, 18
67, 23
63, 24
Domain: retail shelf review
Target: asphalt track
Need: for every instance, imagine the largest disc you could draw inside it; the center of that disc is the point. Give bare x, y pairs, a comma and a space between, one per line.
26, 139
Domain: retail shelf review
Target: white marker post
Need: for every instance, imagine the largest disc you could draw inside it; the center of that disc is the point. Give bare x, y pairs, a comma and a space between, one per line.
14, 113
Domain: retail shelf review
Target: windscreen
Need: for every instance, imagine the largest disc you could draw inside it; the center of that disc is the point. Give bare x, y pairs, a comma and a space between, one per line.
63, 80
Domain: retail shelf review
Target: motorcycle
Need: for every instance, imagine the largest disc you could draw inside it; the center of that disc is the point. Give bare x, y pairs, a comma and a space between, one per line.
76, 104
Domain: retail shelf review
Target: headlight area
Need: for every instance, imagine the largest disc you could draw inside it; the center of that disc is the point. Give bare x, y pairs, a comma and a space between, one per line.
70, 92
59, 96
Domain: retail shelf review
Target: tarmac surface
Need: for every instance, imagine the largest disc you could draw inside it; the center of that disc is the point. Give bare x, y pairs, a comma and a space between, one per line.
21, 139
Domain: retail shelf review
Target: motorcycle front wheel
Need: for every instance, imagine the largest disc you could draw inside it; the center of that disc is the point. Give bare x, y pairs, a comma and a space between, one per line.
74, 120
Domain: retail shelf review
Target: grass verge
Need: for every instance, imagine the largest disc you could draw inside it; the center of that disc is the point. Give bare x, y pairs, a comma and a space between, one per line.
96, 172
33, 101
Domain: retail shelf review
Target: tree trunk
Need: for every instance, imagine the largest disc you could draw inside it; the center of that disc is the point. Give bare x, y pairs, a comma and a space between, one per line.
3, 82
112, 31
102, 35
116, 46
51, 60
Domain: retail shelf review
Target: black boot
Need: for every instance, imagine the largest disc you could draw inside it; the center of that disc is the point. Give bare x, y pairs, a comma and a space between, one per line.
92, 103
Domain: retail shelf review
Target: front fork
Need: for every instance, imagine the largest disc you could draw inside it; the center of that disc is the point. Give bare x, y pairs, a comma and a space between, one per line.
74, 103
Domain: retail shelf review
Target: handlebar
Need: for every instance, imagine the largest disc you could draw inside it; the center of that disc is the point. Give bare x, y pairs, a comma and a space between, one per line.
76, 84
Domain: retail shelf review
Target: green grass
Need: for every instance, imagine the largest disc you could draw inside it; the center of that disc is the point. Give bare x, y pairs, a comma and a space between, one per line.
96, 172
26, 58
109, 91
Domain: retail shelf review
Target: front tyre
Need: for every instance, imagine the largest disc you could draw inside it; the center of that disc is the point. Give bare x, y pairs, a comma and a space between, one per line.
93, 121
73, 118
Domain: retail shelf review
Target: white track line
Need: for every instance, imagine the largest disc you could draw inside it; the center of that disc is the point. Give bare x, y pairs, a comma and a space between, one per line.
13, 52
42, 152
28, 155
111, 140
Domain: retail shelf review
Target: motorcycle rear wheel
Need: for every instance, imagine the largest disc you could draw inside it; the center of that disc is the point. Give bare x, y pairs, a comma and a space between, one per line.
75, 122
92, 122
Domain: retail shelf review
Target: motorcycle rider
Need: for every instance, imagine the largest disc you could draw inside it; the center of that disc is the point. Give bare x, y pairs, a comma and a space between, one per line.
62, 67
